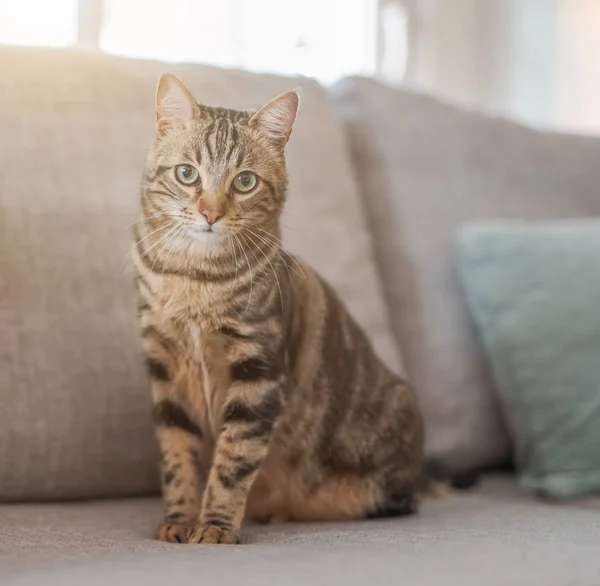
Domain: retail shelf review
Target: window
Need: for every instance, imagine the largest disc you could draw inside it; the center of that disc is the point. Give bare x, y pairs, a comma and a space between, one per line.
38, 22
326, 39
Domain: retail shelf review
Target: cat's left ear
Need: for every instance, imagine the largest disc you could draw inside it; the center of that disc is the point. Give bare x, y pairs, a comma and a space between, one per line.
174, 102
276, 118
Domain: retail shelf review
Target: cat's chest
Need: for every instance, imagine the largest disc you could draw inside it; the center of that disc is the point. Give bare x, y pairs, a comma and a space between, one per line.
202, 365
194, 328
192, 305
205, 373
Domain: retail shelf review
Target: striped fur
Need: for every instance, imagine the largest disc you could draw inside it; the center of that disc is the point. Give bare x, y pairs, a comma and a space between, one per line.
269, 400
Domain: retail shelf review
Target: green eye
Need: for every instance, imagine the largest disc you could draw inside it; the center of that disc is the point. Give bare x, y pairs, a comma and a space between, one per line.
186, 174
245, 182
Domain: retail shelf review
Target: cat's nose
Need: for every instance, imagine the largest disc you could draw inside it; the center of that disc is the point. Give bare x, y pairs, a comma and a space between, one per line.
211, 215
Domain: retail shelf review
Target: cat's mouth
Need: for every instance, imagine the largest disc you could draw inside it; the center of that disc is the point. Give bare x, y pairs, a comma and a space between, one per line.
206, 233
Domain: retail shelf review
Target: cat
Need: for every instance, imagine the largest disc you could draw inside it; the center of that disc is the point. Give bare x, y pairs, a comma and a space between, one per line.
269, 401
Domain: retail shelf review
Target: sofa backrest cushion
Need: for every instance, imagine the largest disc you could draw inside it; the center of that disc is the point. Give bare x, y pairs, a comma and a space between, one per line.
425, 168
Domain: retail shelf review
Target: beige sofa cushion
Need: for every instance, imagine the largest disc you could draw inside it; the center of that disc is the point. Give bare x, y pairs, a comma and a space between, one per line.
75, 128
425, 168
491, 536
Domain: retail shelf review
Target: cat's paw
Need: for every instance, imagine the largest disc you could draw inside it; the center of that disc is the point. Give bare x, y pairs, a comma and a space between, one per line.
174, 532
211, 534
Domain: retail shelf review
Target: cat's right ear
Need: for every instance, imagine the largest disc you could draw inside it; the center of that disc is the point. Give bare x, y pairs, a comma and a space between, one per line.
174, 102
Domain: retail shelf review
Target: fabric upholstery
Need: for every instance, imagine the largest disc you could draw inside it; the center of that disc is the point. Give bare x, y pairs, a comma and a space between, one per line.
534, 290
491, 536
425, 168
75, 129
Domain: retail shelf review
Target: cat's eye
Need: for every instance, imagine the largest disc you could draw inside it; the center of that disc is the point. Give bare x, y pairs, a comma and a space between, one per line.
245, 182
186, 174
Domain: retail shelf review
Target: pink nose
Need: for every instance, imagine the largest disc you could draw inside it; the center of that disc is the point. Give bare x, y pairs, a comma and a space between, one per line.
211, 216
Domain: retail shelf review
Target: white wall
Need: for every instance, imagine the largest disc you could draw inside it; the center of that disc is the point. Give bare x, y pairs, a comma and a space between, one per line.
577, 103
455, 48
534, 60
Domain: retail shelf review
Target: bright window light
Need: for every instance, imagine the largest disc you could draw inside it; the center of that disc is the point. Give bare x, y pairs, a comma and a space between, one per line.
51, 23
327, 39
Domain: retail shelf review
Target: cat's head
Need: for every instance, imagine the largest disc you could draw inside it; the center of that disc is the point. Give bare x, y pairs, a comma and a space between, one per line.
213, 172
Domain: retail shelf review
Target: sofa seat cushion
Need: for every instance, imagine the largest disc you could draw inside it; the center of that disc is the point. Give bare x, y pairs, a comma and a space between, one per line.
492, 535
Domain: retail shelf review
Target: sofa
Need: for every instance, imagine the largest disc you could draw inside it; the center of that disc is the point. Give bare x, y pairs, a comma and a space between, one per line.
380, 179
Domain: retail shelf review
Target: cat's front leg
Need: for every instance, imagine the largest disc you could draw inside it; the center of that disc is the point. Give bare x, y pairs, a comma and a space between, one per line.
180, 441
254, 403
181, 444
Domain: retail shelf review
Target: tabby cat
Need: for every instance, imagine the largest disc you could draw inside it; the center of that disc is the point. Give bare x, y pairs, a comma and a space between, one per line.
269, 402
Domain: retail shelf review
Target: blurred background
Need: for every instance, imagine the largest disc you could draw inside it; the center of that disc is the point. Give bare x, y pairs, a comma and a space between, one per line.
531, 60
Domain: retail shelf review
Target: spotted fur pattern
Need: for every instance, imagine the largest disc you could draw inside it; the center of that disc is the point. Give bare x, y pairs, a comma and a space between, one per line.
269, 402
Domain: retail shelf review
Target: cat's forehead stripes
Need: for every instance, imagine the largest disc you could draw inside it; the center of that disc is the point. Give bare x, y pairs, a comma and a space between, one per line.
221, 146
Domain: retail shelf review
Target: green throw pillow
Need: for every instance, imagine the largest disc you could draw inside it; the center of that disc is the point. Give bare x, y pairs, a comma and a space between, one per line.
534, 292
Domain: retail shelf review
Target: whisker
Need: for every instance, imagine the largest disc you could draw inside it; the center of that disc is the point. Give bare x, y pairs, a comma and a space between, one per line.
249, 269
139, 242
235, 258
274, 238
281, 247
173, 234
272, 268
158, 242
250, 249
178, 236
273, 247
